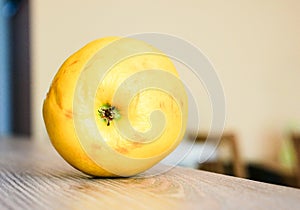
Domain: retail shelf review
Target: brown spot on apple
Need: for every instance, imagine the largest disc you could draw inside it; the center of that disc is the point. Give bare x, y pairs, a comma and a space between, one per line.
74, 62
121, 150
136, 144
68, 114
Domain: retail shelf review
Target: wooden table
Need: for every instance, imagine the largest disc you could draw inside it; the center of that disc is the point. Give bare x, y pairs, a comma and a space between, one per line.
33, 176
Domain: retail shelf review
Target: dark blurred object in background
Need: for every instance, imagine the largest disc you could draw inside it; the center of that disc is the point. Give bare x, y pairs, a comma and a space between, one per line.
15, 89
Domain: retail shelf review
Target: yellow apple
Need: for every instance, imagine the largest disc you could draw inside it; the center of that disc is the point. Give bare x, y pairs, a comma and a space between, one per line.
116, 107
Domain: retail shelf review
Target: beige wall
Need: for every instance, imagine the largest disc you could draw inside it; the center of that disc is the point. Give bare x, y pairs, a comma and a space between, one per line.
254, 46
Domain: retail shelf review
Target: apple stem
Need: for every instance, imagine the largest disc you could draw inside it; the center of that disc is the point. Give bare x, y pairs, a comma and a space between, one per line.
108, 113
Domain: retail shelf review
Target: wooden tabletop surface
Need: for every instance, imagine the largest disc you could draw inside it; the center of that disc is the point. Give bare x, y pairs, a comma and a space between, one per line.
33, 176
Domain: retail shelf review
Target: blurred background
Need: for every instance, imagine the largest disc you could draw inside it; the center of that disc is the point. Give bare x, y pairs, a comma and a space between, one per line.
253, 45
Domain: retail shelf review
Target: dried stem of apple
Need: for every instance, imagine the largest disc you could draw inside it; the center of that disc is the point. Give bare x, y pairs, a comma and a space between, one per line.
108, 113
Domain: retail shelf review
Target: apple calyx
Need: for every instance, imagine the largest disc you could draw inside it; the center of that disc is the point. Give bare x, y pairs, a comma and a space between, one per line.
108, 113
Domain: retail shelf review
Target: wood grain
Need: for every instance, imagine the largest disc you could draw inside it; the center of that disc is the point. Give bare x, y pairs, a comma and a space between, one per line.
33, 176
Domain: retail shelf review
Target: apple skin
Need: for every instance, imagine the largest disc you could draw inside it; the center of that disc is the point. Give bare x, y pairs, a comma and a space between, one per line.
114, 155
